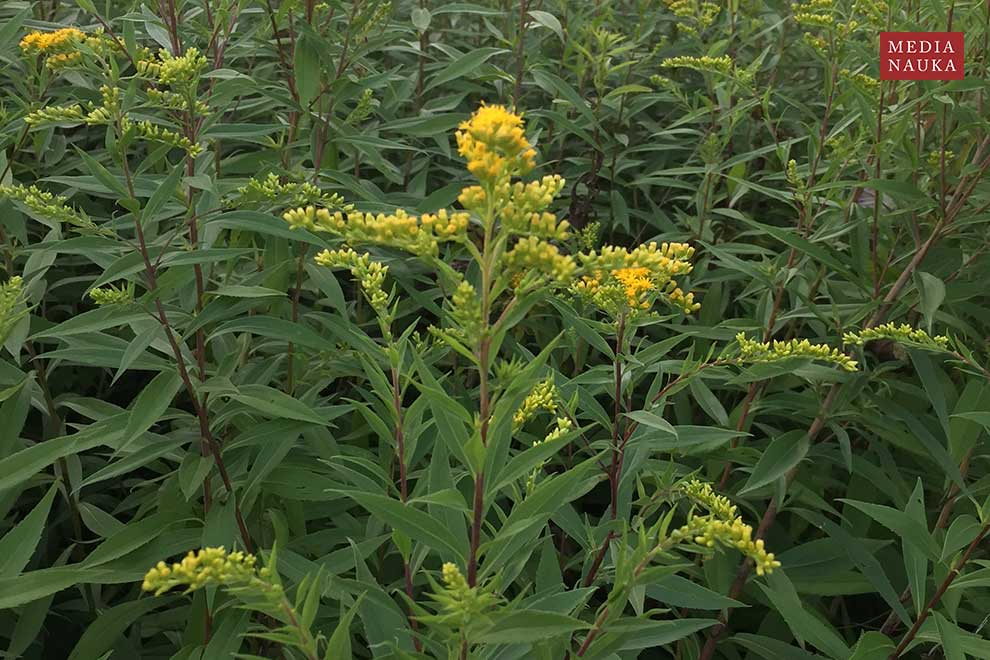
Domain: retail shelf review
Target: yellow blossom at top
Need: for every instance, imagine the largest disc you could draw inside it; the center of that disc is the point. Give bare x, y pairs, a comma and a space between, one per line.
616, 278
635, 281
44, 43
494, 144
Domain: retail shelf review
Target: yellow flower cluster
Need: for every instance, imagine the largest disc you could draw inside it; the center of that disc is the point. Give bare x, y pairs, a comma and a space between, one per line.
707, 531
542, 397
58, 47
753, 352
635, 282
533, 259
619, 278
903, 334
111, 295
494, 144
370, 274
208, 566
419, 235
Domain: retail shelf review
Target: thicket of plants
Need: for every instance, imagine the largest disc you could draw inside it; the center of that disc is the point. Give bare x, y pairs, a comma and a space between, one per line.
612, 329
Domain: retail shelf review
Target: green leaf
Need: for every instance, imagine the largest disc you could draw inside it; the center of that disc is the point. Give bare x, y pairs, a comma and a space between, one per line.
339, 644
783, 453
549, 21
800, 620
18, 545
464, 65
873, 646
273, 403
420, 17
100, 635
151, 404
412, 522
307, 69
906, 527
951, 636
525, 626
163, 193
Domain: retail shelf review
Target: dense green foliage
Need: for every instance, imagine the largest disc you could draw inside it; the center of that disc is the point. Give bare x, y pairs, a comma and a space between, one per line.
468, 429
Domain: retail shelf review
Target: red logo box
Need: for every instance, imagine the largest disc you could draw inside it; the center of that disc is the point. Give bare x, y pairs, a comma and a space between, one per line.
922, 55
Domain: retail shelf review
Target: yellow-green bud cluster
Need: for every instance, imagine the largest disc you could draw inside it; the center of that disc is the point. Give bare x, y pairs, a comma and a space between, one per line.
460, 604
703, 494
903, 334
867, 83
208, 566
817, 42
793, 178
534, 259
47, 205
707, 531
369, 274
300, 194
180, 103
809, 19
751, 351
111, 295
875, 11
521, 207
815, 13
11, 308
363, 108
466, 313
721, 64
692, 11
561, 429
935, 157
55, 114
174, 71
147, 131
542, 397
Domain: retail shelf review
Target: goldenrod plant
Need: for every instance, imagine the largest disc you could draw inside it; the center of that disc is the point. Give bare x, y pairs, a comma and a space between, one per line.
504, 329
